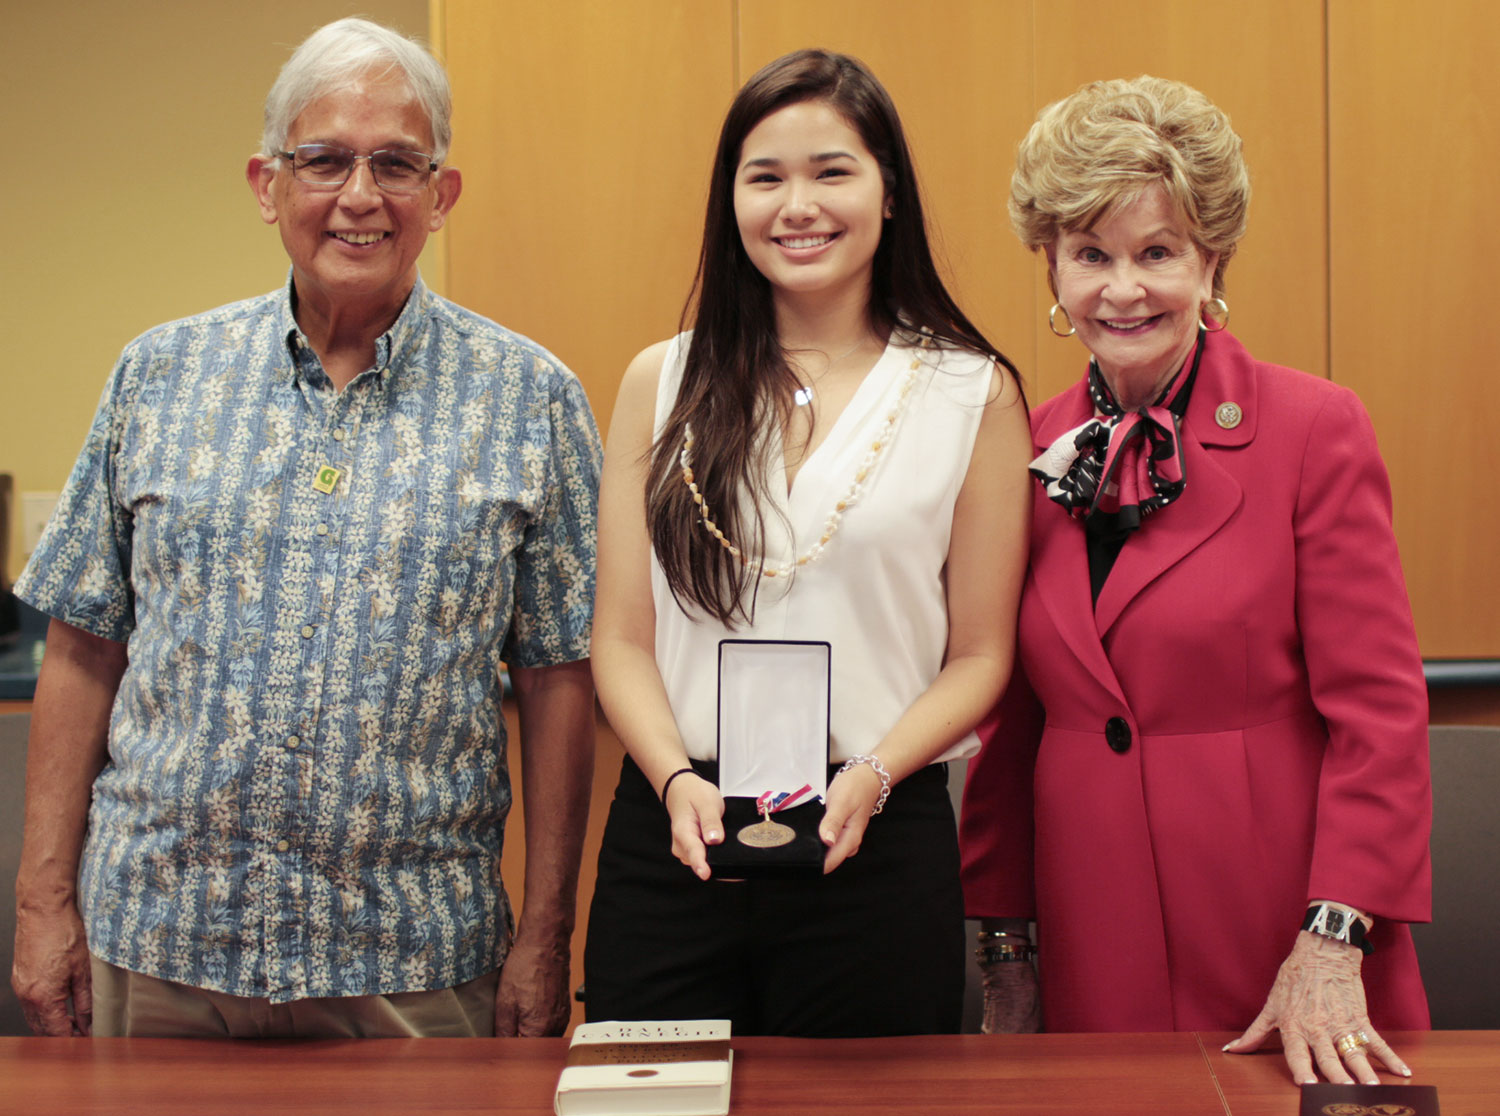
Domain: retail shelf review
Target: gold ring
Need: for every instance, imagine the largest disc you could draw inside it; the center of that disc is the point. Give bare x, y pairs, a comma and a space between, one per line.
1361, 1038
1348, 1045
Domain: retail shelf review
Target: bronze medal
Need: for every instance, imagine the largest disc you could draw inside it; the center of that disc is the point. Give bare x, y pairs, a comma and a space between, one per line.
766, 835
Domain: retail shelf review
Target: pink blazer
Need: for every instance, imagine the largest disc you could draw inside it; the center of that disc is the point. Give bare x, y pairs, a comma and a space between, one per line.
1239, 726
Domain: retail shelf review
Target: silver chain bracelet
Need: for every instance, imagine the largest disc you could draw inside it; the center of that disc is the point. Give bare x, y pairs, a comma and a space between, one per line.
879, 769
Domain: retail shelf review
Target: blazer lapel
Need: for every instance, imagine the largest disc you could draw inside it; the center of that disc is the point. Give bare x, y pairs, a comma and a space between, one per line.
1059, 575
1222, 412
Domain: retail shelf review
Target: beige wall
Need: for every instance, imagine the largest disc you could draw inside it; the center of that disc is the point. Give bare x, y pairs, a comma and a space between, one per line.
128, 126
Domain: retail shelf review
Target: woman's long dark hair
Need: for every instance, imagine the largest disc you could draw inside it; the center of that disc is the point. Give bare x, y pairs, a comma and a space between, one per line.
737, 377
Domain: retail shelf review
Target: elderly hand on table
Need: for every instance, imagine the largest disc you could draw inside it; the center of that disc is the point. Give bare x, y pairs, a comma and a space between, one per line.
50, 973
532, 1000
1318, 1004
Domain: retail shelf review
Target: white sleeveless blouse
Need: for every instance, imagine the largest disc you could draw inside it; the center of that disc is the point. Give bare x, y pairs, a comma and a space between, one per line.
877, 594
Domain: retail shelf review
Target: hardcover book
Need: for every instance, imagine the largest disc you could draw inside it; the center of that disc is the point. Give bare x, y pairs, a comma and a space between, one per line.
670, 1067
1323, 1099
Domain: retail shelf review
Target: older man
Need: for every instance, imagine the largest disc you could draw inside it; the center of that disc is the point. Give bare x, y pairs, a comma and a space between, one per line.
303, 533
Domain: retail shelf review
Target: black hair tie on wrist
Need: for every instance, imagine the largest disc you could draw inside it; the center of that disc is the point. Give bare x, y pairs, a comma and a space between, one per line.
668, 784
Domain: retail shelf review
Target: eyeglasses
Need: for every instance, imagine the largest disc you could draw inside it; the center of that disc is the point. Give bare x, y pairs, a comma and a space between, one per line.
395, 169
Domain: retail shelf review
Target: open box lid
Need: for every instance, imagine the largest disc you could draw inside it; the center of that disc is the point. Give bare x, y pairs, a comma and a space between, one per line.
774, 699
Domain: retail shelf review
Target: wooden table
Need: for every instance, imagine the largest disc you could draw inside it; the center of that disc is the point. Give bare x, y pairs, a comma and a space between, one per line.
1039, 1075
1464, 1065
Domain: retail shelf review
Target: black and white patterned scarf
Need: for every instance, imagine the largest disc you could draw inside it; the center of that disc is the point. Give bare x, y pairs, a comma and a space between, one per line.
1120, 466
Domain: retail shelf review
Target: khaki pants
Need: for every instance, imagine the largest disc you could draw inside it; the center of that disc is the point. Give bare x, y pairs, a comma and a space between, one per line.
133, 1004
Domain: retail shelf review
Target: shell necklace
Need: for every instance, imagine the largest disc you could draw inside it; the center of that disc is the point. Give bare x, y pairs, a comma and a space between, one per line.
844, 503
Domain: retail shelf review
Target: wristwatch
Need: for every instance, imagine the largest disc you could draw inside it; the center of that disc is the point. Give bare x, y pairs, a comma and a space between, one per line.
1338, 923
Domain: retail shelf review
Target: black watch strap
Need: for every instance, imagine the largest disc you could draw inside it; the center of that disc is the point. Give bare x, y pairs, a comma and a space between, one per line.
1329, 920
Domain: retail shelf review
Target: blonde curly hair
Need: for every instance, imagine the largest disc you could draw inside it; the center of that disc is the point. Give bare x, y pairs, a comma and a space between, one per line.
1095, 151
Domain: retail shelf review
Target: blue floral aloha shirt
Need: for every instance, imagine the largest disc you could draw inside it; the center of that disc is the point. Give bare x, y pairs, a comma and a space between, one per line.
307, 778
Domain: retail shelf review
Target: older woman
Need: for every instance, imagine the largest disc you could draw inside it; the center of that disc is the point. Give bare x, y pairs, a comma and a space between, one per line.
1221, 734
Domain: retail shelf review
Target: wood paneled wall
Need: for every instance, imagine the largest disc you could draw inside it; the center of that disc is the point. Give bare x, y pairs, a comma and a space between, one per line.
585, 129
959, 74
1414, 153
1261, 63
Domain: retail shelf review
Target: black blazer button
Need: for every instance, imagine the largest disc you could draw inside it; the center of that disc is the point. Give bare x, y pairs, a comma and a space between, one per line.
1117, 734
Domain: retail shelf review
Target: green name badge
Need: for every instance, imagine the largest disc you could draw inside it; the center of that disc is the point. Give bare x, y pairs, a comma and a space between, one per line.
327, 479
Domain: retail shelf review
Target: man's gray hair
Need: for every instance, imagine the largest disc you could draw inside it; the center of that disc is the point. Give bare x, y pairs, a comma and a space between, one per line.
337, 55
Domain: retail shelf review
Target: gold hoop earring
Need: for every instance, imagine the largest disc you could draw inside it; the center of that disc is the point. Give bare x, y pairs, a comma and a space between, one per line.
1052, 320
1220, 317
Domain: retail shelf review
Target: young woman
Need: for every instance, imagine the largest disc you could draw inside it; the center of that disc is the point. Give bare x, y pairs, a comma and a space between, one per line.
833, 453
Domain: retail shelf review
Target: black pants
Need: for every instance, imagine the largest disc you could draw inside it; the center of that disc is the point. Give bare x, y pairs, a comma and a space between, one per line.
875, 948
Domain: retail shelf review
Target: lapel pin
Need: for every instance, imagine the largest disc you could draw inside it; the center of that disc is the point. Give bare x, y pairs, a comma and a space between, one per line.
1229, 415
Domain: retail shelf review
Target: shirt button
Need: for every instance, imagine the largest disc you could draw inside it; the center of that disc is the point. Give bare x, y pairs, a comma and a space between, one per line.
338, 435
293, 741
322, 528
283, 846
307, 631
1117, 734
